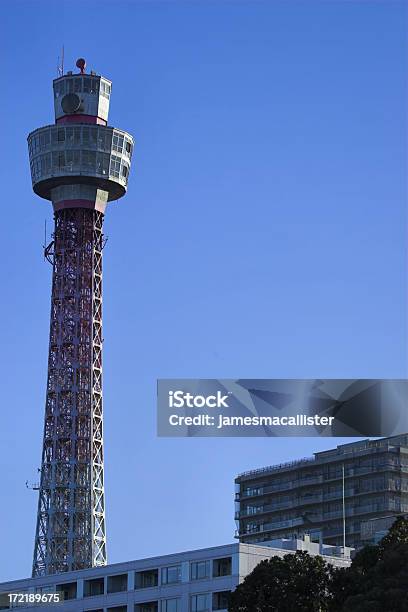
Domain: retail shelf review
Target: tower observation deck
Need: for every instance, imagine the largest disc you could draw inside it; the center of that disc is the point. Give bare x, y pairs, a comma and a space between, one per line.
79, 164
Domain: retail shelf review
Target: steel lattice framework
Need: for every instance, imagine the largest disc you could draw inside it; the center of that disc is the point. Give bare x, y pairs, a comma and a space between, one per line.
80, 164
71, 512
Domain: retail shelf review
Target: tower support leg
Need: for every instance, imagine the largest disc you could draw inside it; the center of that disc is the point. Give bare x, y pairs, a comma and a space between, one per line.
70, 532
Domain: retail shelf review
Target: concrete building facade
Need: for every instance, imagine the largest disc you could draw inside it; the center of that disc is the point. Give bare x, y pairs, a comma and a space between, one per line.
373, 530
192, 581
306, 496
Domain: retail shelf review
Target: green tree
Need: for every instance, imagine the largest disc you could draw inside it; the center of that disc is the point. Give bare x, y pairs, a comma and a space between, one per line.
296, 581
377, 580
398, 534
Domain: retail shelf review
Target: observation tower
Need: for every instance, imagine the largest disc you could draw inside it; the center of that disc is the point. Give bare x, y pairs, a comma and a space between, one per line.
79, 164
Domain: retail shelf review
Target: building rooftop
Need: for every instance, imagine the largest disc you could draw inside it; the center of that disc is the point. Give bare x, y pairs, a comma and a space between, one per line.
352, 448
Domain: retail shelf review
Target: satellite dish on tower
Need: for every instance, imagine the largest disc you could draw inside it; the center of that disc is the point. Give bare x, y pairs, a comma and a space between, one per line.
81, 64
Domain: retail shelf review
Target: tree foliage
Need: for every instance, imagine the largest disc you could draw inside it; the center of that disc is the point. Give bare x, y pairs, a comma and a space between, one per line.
296, 581
376, 581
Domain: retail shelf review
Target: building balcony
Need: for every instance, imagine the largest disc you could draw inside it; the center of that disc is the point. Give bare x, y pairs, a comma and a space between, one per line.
298, 483
276, 526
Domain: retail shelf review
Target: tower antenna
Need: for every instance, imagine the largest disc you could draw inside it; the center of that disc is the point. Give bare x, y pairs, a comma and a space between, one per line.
60, 66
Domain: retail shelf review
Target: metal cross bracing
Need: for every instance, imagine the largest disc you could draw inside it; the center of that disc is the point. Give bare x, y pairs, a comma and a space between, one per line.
70, 531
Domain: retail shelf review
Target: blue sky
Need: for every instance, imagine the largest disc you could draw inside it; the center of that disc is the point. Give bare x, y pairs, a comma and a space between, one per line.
263, 235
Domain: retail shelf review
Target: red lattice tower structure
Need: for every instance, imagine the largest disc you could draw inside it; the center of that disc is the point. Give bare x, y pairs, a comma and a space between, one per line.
80, 164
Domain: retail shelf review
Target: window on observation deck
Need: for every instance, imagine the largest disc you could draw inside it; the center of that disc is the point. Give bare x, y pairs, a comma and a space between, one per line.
45, 139
89, 159
104, 139
117, 142
115, 166
102, 163
72, 159
59, 89
128, 148
105, 89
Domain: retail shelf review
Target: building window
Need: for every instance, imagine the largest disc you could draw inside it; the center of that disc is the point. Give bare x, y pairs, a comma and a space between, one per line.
250, 491
35, 143
222, 567
68, 590
117, 142
44, 590
59, 89
115, 166
199, 570
200, 602
171, 605
77, 134
171, 574
46, 164
102, 164
147, 606
94, 86
7, 605
220, 600
87, 85
45, 139
105, 89
93, 587
117, 583
71, 159
37, 168
89, 160
104, 139
117, 609
146, 579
